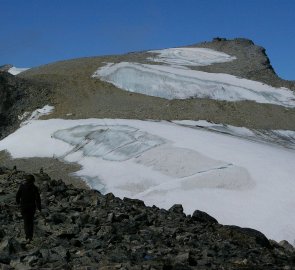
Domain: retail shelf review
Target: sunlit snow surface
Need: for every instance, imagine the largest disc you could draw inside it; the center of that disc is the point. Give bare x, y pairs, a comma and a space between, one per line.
241, 182
178, 83
174, 80
190, 56
27, 116
15, 70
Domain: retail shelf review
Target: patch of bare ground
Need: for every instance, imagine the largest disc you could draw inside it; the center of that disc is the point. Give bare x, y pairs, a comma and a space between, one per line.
55, 168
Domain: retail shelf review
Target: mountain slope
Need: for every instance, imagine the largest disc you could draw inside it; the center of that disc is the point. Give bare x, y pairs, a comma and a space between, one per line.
196, 163
76, 95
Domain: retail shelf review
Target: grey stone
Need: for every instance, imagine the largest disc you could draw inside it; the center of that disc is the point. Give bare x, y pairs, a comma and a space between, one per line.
176, 208
285, 244
10, 245
201, 216
119, 234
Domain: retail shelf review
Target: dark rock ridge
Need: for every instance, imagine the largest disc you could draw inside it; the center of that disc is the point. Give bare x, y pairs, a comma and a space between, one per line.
16, 97
252, 61
83, 229
5, 67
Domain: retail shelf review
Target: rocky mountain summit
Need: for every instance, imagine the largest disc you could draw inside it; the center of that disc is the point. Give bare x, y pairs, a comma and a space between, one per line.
5, 67
83, 229
252, 61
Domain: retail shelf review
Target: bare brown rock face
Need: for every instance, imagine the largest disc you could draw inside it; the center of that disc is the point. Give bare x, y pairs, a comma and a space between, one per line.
83, 229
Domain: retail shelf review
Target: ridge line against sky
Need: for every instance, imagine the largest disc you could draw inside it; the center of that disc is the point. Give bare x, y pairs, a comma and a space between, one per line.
39, 32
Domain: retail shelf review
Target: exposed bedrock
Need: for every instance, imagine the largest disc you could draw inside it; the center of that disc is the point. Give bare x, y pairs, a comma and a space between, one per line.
16, 97
252, 61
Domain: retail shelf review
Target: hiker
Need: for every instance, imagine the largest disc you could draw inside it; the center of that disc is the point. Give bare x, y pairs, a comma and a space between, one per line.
29, 198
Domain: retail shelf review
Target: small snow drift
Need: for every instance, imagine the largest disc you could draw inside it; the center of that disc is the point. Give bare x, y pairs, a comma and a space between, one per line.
47, 109
241, 182
178, 83
190, 56
15, 70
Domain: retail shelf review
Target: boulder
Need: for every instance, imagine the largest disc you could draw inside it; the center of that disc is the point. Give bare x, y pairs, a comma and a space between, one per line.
176, 208
201, 216
285, 244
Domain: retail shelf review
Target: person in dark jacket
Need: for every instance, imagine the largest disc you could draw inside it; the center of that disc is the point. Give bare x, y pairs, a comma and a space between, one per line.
28, 197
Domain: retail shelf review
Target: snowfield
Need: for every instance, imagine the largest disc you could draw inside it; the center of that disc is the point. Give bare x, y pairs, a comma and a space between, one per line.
178, 83
190, 56
15, 70
238, 181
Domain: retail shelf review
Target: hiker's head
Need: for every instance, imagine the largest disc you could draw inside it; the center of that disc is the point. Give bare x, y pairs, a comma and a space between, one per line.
30, 178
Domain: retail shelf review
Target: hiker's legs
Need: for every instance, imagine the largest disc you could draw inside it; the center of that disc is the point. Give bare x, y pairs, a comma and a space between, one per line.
28, 216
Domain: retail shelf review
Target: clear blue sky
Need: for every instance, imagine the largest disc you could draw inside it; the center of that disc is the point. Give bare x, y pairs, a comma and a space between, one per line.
36, 32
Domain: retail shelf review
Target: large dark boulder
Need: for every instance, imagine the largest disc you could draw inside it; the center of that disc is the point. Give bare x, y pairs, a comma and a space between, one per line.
249, 234
203, 217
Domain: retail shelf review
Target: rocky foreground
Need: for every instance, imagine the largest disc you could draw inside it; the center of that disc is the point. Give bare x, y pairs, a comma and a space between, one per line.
83, 229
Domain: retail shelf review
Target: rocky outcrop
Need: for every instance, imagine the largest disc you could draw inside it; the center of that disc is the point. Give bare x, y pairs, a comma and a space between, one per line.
16, 97
5, 68
83, 229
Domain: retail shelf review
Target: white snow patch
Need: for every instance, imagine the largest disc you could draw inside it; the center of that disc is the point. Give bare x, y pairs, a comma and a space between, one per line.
15, 70
177, 83
47, 109
241, 182
190, 56
23, 116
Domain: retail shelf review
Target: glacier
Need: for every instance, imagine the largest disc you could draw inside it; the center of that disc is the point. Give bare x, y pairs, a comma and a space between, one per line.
239, 181
177, 83
172, 78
